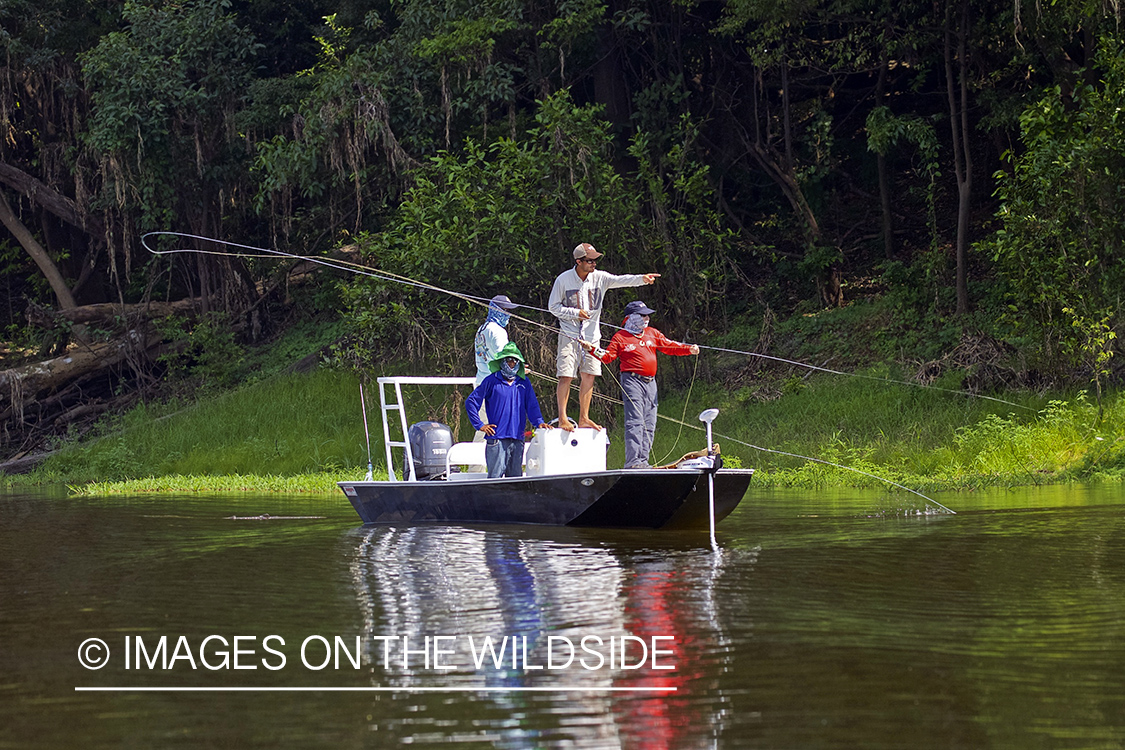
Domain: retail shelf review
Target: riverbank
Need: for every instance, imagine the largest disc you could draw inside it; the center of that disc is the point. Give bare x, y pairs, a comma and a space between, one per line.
300, 433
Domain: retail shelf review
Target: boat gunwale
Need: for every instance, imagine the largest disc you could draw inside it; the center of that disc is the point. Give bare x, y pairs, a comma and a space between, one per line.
543, 477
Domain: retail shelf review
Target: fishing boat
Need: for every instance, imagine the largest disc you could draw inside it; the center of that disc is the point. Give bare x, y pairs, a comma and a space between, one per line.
566, 482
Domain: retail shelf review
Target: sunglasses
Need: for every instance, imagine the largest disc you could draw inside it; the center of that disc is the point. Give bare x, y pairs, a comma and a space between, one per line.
588, 260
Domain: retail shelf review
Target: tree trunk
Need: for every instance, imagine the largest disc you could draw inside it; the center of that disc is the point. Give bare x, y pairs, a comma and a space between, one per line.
609, 79
881, 166
779, 167
37, 253
885, 204
787, 125
50, 200
205, 291
787, 182
958, 98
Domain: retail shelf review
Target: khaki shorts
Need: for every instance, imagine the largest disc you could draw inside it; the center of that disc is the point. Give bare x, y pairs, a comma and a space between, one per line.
572, 359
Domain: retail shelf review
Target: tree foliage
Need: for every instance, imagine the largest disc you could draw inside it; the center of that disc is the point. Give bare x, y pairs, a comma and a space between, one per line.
164, 93
1061, 246
503, 220
762, 156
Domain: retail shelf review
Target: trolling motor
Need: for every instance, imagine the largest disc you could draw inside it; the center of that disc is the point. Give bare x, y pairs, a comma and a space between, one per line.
707, 417
709, 457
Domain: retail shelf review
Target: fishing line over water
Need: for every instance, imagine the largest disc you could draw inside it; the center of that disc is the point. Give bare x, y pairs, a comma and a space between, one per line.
251, 251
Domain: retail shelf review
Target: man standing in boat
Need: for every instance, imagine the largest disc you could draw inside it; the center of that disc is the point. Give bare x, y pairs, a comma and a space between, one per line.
509, 400
636, 345
492, 336
576, 300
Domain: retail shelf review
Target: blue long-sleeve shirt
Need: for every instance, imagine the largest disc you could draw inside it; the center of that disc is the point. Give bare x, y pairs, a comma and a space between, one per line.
508, 405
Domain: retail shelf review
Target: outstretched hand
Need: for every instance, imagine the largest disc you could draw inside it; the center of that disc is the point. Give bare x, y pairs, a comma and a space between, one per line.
695, 348
650, 278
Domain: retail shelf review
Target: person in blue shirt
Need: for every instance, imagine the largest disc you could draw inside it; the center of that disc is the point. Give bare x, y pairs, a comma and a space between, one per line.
510, 402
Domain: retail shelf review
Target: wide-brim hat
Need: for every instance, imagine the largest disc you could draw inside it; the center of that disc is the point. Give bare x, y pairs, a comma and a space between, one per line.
501, 301
637, 307
586, 250
508, 350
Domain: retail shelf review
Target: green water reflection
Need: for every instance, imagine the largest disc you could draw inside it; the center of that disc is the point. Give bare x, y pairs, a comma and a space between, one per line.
828, 620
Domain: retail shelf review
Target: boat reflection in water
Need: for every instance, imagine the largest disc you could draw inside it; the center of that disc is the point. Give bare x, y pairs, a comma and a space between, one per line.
469, 585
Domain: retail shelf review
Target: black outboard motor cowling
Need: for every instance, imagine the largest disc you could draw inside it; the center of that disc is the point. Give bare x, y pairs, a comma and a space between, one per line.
429, 444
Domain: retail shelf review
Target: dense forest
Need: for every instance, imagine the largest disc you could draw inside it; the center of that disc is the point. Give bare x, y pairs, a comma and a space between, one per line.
950, 173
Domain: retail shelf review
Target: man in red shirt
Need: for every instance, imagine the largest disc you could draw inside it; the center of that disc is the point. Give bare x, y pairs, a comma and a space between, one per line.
636, 346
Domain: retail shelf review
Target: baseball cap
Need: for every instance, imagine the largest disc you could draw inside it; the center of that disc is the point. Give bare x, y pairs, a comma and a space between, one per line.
586, 250
638, 308
502, 301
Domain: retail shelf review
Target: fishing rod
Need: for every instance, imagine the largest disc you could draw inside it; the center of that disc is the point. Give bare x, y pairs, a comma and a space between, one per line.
366, 433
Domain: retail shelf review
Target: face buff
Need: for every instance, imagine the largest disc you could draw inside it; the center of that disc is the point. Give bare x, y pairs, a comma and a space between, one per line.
498, 316
636, 324
508, 371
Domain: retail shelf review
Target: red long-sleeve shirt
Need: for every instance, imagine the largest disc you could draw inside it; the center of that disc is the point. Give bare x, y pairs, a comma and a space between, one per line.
638, 353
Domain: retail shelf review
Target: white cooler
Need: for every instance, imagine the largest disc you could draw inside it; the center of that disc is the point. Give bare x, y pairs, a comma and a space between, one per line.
557, 451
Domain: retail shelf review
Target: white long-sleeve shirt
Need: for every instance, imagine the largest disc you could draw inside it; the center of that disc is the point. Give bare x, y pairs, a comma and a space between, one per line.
570, 295
491, 338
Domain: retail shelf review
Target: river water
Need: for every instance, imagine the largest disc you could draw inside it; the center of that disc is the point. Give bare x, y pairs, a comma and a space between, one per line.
826, 620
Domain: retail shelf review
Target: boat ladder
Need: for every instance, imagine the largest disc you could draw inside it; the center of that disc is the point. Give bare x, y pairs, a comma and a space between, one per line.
395, 383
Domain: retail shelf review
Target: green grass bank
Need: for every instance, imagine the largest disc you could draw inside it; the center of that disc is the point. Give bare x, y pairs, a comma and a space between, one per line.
302, 433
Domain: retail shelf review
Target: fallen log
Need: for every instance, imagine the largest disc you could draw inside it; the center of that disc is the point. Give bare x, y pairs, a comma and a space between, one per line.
107, 311
22, 464
20, 385
82, 410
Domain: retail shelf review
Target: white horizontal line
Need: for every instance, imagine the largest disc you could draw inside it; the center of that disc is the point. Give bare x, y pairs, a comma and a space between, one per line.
561, 688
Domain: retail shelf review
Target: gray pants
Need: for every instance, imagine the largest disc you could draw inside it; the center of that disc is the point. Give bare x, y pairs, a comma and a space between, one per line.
639, 394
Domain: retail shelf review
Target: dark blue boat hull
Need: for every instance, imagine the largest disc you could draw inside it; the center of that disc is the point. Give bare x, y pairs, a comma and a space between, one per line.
635, 498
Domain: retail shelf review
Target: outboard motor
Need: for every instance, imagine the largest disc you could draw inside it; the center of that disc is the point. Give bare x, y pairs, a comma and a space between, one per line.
429, 442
